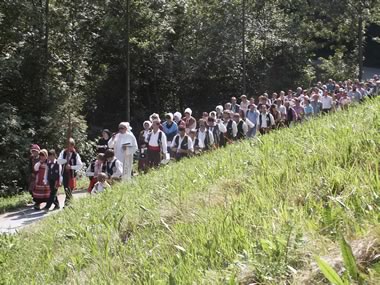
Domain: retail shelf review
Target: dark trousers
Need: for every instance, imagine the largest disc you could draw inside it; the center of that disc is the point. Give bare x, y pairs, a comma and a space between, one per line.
326, 111
53, 195
154, 158
179, 156
66, 186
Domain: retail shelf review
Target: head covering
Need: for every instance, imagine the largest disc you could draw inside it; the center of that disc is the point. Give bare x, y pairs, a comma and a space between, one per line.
35, 147
154, 115
188, 110
169, 115
147, 122
178, 115
43, 152
107, 131
219, 108
125, 125
212, 114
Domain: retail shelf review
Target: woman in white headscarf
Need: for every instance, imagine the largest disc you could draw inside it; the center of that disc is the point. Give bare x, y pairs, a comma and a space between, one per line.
125, 145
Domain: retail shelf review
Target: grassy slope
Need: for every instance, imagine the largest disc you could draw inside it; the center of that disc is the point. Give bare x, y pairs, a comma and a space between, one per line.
14, 202
254, 210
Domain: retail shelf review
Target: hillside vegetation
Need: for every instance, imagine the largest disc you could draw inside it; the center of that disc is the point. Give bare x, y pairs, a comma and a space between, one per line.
258, 211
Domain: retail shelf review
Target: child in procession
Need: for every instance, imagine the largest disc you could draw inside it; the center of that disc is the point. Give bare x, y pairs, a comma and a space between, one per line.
54, 179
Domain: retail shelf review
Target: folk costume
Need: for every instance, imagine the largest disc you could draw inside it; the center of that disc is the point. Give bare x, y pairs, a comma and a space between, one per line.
125, 146
204, 141
265, 122
232, 130
96, 166
157, 144
218, 130
114, 169
143, 147
73, 160
32, 162
41, 192
55, 179
183, 146
242, 128
190, 122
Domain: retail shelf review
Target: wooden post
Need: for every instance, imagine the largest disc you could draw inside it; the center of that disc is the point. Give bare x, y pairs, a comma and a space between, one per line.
128, 69
360, 46
243, 48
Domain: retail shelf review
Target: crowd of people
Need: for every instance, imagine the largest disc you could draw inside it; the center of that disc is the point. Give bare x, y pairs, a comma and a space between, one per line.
177, 137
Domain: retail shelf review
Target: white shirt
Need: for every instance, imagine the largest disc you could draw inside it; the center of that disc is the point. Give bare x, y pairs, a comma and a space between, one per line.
221, 126
244, 106
202, 136
118, 169
76, 167
100, 187
282, 110
234, 127
189, 142
245, 127
264, 120
326, 102
119, 140
153, 140
97, 169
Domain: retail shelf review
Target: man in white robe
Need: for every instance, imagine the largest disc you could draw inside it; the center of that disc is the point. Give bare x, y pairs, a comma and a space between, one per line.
125, 145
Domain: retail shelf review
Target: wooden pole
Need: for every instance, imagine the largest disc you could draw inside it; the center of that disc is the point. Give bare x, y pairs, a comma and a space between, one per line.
128, 69
243, 48
360, 46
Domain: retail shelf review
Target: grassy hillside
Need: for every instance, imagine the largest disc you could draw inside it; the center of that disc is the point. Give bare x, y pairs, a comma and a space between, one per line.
258, 211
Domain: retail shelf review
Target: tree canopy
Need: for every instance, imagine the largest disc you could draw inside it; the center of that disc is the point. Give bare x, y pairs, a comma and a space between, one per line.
64, 60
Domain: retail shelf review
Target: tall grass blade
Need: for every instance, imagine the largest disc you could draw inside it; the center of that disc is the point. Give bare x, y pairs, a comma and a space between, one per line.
329, 272
349, 260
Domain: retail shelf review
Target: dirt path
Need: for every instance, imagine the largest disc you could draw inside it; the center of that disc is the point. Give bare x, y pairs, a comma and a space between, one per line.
14, 221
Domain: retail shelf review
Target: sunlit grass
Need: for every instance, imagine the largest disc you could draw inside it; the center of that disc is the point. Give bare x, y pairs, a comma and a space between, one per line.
14, 202
253, 212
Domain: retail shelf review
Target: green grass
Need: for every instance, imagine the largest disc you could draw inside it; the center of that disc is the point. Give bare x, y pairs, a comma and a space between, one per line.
14, 202
257, 211
21, 200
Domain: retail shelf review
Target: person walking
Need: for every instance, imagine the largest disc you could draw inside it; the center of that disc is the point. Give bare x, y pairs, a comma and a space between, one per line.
124, 144
71, 162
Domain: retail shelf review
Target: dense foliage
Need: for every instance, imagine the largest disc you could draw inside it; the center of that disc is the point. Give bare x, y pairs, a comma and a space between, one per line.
62, 58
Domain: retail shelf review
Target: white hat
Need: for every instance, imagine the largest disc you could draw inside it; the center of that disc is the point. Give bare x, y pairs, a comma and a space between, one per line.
154, 115
169, 115
147, 122
125, 125
188, 110
178, 115
219, 108
212, 114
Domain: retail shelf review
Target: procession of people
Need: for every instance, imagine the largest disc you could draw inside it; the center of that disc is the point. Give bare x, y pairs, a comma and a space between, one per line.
181, 136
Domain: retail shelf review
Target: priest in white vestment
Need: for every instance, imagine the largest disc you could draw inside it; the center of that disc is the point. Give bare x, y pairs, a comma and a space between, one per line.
124, 145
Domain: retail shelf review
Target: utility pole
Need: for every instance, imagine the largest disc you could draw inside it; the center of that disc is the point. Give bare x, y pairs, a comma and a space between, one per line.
128, 69
243, 48
360, 44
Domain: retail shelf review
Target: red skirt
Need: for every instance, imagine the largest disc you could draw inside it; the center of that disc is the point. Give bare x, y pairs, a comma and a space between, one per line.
41, 193
92, 184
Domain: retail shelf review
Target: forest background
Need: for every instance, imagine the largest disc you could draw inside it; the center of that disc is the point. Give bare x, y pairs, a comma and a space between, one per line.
75, 62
